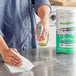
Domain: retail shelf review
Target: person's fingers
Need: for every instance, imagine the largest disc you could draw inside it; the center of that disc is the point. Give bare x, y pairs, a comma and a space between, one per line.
43, 36
41, 39
12, 59
13, 62
14, 49
15, 56
17, 59
16, 63
10, 63
9, 58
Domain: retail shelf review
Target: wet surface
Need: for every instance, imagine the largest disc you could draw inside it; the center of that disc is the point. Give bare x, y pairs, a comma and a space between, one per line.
47, 63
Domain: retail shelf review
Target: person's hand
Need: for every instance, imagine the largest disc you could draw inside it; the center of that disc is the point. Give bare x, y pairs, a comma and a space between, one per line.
11, 58
46, 27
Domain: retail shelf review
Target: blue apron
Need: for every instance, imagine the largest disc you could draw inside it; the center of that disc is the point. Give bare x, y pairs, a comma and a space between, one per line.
18, 24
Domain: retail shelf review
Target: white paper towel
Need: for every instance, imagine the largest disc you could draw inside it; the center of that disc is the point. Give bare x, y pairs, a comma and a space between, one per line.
26, 65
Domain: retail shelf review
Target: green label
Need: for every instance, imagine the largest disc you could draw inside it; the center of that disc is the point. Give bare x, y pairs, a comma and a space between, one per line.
65, 40
66, 23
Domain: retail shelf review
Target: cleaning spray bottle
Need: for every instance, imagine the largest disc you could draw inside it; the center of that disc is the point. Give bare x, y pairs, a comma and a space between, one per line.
39, 31
66, 30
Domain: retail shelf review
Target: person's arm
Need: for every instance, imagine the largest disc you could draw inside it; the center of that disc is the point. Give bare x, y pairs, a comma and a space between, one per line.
42, 8
43, 12
3, 45
8, 56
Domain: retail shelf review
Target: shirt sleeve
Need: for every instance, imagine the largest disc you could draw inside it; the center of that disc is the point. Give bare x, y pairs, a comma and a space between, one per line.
2, 4
38, 3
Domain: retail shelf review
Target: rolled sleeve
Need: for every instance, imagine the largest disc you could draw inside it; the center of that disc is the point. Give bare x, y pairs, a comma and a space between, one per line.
38, 3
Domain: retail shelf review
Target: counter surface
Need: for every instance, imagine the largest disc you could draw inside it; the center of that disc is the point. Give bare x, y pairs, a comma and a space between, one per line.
47, 63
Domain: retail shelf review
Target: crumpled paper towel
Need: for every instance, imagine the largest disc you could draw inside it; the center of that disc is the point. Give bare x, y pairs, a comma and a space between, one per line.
26, 65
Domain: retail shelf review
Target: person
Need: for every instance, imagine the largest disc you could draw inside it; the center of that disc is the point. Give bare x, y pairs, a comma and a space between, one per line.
17, 25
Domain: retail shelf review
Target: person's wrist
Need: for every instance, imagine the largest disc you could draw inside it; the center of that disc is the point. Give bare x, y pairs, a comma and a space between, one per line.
45, 21
3, 51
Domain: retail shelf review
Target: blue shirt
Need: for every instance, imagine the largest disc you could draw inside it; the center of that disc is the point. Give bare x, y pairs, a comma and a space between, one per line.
18, 21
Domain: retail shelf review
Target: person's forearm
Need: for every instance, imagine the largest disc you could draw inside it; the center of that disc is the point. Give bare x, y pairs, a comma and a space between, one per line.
43, 11
3, 45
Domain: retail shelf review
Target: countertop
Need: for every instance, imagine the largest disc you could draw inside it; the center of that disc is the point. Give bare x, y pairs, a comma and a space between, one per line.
67, 3
47, 63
